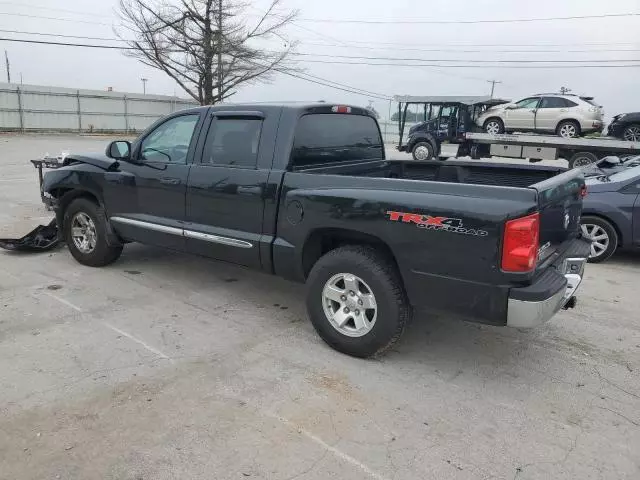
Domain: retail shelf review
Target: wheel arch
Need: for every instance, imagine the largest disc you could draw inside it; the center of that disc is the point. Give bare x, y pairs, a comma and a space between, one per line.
569, 119
425, 137
323, 240
493, 117
64, 197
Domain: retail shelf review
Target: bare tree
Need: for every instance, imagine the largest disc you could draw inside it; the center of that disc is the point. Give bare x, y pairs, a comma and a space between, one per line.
207, 46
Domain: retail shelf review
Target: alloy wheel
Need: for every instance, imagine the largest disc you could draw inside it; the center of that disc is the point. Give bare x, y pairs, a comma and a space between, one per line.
632, 133
349, 305
599, 238
83, 232
493, 127
568, 130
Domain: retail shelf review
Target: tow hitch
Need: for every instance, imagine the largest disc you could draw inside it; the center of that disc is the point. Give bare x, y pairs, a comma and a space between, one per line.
571, 303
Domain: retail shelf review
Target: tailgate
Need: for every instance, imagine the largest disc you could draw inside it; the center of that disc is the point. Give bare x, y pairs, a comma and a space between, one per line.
560, 206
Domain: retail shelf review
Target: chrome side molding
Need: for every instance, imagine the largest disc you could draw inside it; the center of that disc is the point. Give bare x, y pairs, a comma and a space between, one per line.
232, 242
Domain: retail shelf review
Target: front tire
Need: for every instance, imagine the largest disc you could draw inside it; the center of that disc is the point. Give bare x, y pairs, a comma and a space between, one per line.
603, 236
85, 233
356, 301
493, 126
568, 129
422, 151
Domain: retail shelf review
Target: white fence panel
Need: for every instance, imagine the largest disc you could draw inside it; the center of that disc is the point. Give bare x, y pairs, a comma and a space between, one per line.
41, 108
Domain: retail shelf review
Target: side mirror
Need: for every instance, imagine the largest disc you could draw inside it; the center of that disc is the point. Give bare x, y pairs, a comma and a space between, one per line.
119, 150
609, 161
511, 107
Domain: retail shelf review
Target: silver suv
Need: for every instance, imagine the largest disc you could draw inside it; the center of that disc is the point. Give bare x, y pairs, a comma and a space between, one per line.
566, 115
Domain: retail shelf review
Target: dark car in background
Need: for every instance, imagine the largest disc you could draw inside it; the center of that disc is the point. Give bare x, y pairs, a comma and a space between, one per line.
611, 211
625, 126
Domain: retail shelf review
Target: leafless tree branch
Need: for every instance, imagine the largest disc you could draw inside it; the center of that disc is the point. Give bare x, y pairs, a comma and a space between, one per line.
206, 45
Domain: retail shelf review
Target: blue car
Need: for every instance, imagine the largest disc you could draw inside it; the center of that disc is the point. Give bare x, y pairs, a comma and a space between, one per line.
611, 209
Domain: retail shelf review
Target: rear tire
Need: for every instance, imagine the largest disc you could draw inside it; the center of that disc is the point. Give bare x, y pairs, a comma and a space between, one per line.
422, 151
603, 236
85, 233
632, 133
568, 129
493, 126
377, 282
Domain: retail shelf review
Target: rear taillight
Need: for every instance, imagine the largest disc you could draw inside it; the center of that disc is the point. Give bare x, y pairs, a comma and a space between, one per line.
341, 109
583, 191
520, 244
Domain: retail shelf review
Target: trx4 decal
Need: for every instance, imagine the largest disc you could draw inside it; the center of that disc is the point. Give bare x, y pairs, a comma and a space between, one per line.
445, 224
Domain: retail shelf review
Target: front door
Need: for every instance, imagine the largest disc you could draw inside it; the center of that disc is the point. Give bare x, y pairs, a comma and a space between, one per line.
522, 117
227, 189
549, 113
146, 197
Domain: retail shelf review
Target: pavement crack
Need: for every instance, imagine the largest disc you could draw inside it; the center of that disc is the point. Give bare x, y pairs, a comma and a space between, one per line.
637, 424
615, 385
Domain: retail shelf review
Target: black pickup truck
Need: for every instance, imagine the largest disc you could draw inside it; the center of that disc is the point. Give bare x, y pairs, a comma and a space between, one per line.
305, 192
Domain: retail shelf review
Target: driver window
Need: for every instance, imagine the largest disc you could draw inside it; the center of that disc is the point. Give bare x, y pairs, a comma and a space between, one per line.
169, 143
528, 103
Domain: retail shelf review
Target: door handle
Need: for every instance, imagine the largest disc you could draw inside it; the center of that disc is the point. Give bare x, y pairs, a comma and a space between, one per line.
170, 181
243, 190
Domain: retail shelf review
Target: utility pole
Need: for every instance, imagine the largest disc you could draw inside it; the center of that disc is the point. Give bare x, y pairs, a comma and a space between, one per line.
6, 57
564, 90
144, 85
220, 73
493, 85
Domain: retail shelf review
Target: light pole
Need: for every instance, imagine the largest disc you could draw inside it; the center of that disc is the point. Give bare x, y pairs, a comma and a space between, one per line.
144, 85
493, 85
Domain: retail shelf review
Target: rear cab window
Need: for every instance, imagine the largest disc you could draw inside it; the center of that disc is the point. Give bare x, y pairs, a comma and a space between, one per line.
322, 138
233, 142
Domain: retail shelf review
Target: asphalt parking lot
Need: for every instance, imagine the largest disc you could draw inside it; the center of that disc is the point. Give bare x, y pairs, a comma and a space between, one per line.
165, 366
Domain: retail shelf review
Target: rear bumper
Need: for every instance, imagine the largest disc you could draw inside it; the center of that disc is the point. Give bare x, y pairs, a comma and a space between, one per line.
615, 129
591, 126
534, 305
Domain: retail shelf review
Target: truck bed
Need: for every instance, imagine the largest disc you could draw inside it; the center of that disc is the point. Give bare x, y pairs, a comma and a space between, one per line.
468, 172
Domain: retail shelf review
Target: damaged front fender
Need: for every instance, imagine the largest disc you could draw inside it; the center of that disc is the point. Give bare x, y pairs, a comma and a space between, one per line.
40, 239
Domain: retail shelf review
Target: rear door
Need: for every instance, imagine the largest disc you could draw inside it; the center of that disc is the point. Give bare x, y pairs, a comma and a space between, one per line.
549, 113
523, 116
228, 188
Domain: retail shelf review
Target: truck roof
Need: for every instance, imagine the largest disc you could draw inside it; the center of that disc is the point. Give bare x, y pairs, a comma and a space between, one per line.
295, 106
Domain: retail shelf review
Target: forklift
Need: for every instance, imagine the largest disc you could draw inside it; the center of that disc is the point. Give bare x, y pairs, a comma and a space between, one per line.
445, 120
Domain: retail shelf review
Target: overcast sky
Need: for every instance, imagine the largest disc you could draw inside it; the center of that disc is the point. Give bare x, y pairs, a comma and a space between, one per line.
615, 88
